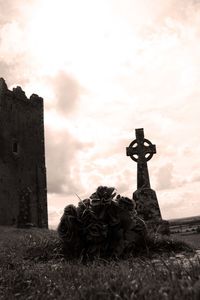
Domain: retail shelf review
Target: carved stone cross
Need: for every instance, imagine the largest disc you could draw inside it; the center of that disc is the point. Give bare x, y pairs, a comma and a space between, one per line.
141, 150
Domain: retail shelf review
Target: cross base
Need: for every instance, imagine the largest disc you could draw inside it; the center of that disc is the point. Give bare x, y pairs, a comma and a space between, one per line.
147, 204
147, 208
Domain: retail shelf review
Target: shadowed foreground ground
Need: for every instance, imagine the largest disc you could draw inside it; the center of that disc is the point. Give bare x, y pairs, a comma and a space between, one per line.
32, 267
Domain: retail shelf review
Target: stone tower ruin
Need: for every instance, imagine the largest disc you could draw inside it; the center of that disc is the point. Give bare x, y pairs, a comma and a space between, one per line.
23, 193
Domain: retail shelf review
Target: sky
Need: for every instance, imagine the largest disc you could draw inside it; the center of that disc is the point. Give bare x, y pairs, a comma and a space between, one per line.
104, 68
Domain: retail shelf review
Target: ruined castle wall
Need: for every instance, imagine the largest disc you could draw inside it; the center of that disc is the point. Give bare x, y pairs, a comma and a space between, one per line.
22, 160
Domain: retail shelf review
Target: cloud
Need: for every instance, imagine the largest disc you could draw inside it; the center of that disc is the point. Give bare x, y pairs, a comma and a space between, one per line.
18, 11
195, 177
180, 202
165, 177
53, 218
5, 69
147, 14
11, 72
16, 64
9, 10
66, 92
61, 159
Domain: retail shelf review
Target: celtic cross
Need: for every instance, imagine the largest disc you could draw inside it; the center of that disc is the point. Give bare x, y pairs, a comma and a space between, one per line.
141, 150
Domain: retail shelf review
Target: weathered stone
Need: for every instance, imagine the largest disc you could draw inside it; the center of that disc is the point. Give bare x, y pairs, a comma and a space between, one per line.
147, 204
141, 150
22, 159
24, 215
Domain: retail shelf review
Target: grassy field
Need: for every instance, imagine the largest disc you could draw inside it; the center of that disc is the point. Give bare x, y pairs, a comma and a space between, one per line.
191, 239
32, 267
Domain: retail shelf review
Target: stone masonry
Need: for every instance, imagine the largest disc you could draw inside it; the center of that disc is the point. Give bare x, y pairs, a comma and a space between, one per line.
23, 194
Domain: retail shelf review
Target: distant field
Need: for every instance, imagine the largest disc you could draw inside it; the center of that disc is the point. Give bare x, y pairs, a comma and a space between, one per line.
33, 268
191, 239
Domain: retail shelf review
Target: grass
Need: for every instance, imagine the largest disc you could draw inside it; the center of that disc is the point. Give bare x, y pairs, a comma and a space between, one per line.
32, 266
192, 239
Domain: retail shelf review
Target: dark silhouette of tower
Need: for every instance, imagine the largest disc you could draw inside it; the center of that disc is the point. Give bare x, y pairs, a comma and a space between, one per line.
23, 193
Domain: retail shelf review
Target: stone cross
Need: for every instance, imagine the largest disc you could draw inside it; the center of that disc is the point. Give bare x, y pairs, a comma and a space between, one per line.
141, 150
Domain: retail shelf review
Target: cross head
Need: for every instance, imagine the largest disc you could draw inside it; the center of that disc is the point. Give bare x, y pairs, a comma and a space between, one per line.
141, 149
